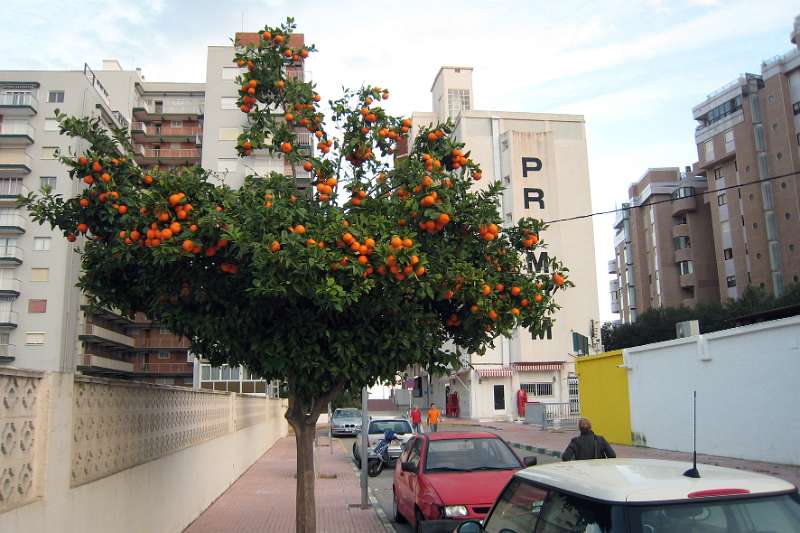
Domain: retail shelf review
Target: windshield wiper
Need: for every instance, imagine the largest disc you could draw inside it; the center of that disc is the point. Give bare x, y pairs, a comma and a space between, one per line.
492, 468
446, 469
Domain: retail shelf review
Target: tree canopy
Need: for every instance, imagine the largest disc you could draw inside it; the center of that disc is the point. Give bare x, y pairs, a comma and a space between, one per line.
381, 265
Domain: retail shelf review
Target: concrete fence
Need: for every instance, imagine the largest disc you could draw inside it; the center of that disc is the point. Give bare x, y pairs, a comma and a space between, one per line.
87, 455
746, 380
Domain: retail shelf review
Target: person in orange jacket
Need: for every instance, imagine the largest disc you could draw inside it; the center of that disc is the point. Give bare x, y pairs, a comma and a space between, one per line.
433, 418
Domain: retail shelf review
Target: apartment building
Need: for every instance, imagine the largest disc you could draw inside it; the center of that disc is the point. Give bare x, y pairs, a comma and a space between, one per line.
663, 245
541, 160
749, 131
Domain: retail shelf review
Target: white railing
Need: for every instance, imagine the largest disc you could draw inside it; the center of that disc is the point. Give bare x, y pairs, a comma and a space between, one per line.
168, 152
103, 333
13, 253
19, 99
12, 220
16, 127
9, 285
12, 187
182, 109
17, 158
8, 350
8, 317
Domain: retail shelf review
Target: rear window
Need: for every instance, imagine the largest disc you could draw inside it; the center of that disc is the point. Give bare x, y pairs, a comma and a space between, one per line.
378, 427
776, 514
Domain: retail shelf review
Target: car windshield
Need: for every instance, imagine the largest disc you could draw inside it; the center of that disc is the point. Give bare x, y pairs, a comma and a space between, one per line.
379, 427
469, 454
774, 514
347, 413
526, 508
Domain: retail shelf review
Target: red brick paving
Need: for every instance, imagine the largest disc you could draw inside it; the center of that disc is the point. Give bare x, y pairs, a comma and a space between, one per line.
263, 498
558, 440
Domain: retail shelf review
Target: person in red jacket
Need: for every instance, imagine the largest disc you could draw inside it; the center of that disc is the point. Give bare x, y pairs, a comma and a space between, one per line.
416, 419
522, 399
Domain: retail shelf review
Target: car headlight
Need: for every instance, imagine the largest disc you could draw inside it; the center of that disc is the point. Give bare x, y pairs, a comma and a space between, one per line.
453, 511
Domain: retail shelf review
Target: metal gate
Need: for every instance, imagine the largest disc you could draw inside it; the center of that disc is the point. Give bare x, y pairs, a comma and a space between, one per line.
574, 399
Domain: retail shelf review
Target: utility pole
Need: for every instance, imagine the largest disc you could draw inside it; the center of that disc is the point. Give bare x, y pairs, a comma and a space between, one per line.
364, 447
330, 429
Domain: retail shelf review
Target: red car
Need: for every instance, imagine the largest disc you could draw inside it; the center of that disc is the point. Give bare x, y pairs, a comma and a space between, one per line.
452, 476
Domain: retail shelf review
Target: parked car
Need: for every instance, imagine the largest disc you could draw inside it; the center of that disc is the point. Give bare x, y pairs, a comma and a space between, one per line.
345, 422
641, 496
452, 476
377, 427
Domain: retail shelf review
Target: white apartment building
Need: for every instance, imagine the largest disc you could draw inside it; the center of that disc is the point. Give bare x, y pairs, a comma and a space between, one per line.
542, 161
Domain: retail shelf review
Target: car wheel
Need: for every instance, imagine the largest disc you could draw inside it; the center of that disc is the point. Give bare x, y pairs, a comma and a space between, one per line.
355, 451
398, 517
418, 519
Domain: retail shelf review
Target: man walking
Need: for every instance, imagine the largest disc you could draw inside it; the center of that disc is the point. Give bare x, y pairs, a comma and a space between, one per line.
587, 445
433, 418
416, 419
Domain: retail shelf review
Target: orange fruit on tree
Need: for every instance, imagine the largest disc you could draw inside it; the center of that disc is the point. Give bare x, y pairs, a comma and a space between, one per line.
538, 298
307, 166
122, 209
175, 227
486, 290
148, 179
187, 245
499, 287
362, 259
420, 271
88, 180
106, 177
70, 237
558, 279
493, 314
515, 311
83, 228
408, 243
286, 147
515, 291
444, 218
300, 229
166, 234
84, 202
473, 308
193, 228
135, 235
82, 161
96, 166
275, 246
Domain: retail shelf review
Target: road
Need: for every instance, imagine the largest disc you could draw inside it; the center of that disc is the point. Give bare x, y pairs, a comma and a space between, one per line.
381, 486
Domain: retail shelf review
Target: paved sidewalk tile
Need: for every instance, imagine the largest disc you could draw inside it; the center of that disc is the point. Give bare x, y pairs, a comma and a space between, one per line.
557, 440
263, 498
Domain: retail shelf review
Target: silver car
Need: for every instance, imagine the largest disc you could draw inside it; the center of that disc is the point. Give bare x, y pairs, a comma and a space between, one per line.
345, 422
377, 426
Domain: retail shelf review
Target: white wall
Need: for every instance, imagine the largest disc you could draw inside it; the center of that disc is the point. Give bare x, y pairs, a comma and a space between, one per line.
747, 392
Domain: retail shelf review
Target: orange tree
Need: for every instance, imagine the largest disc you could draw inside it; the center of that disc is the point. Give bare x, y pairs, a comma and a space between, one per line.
377, 267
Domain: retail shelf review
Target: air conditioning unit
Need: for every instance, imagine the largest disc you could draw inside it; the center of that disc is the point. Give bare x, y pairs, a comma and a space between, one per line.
689, 328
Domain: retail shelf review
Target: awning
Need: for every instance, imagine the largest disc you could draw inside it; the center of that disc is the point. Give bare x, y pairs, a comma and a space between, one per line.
495, 372
542, 366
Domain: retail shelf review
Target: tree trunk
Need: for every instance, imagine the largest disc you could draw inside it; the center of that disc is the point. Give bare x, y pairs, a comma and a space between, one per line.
305, 512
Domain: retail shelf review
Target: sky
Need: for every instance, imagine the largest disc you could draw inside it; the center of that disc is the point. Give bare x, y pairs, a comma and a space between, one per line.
634, 69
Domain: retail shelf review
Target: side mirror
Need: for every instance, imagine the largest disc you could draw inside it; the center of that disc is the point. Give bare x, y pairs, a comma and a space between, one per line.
530, 461
408, 467
470, 526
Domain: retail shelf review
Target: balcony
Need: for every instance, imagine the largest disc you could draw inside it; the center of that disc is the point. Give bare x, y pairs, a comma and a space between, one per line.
10, 191
615, 306
10, 255
15, 163
154, 132
156, 342
304, 142
18, 105
9, 286
152, 111
680, 230
101, 335
8, 319
104, 365
8, 352
15, 133
12, 223
683, 205
687, 280
169, 156
165, 369
612, 267
683, 254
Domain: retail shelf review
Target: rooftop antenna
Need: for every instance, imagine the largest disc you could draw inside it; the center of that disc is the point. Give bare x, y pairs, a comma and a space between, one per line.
693, 472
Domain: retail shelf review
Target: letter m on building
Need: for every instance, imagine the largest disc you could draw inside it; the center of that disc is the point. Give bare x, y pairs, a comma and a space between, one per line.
545, 331
538, 264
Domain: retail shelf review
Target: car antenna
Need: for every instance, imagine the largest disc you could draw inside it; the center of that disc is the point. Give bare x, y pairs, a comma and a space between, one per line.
693, 472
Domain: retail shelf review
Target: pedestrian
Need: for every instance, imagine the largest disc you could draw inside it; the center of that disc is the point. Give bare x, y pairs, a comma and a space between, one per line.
587, 445
416, 419
433, 418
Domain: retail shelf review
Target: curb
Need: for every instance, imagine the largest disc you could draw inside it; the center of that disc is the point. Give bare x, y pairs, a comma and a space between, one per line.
373, 500
534, 449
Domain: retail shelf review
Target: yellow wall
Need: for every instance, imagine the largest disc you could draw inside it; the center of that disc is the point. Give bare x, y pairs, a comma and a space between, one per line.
603, 389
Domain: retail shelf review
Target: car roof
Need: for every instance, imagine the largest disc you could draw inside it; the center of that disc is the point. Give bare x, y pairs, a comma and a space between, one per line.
389, 419
646, 480
452, 435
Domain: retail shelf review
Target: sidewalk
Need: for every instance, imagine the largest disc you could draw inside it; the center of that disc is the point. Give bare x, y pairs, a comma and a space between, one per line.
556, 441
263, 498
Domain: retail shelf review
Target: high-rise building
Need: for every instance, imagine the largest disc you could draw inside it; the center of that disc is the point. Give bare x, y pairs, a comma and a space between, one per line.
749, 131
663, 245
541, 160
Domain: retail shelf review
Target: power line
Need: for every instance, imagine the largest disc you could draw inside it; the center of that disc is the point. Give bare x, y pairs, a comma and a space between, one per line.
702, 193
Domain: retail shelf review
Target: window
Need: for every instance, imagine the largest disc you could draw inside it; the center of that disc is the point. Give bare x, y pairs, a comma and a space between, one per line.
722, 199
49, 152
176, 123
228, 102
682, 242
41, 244
538, 389
229, 134
758, 131
731, 281
55, 97
47, 182
718, 173
730, 144
230, 73
50, 124
796, 108
499, 397
40, 274
683, 192
708, 150
37, 306
728, 253
723, 110
34, 338
685, 267
227, 164
163, 355
457, 100
771, 99
10, 186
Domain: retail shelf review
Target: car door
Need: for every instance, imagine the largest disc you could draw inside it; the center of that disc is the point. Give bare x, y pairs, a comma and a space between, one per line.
408, 482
